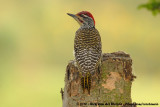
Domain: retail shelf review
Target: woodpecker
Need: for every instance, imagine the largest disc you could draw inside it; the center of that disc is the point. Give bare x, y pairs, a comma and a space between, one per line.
87, 48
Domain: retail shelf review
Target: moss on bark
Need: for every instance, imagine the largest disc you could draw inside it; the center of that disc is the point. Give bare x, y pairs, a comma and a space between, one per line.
111, 86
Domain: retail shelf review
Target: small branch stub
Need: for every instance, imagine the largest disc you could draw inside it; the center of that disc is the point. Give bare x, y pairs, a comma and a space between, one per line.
112, 86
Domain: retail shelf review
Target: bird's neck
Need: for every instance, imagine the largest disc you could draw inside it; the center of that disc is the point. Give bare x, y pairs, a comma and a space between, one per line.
87, 25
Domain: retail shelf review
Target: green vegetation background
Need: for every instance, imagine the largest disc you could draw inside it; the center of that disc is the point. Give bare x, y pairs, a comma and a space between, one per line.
36, 43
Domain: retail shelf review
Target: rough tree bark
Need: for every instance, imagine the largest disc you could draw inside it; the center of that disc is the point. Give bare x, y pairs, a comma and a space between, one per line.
111, 86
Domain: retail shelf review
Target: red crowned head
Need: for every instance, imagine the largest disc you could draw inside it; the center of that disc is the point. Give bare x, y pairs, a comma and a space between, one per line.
87, 14
84, 18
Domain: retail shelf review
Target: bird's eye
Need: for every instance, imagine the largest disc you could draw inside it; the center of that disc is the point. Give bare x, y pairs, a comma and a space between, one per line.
81, 15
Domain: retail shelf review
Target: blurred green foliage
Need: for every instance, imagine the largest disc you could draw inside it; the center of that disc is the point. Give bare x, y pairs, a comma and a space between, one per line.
152, 5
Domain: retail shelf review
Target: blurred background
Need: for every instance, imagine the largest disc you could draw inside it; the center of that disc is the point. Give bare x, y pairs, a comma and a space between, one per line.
36, 43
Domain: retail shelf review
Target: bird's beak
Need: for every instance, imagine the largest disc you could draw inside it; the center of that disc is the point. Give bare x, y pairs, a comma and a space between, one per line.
76, 17
72, 15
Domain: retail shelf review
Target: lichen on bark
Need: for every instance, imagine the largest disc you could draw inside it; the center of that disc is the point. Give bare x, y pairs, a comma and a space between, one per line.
111, 85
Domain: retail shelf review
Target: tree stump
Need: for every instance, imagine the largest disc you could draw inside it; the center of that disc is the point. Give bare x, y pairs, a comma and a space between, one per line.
112, 86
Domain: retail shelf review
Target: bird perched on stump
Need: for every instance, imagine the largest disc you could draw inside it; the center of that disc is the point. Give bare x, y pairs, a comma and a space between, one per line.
87, 48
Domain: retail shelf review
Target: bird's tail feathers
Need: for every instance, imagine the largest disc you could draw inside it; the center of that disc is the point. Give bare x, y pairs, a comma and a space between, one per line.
86, 82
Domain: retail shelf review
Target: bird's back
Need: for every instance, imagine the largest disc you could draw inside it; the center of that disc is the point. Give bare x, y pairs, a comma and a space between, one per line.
87, 47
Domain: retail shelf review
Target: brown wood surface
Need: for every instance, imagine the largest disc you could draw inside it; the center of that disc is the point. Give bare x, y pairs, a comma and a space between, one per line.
111, 86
